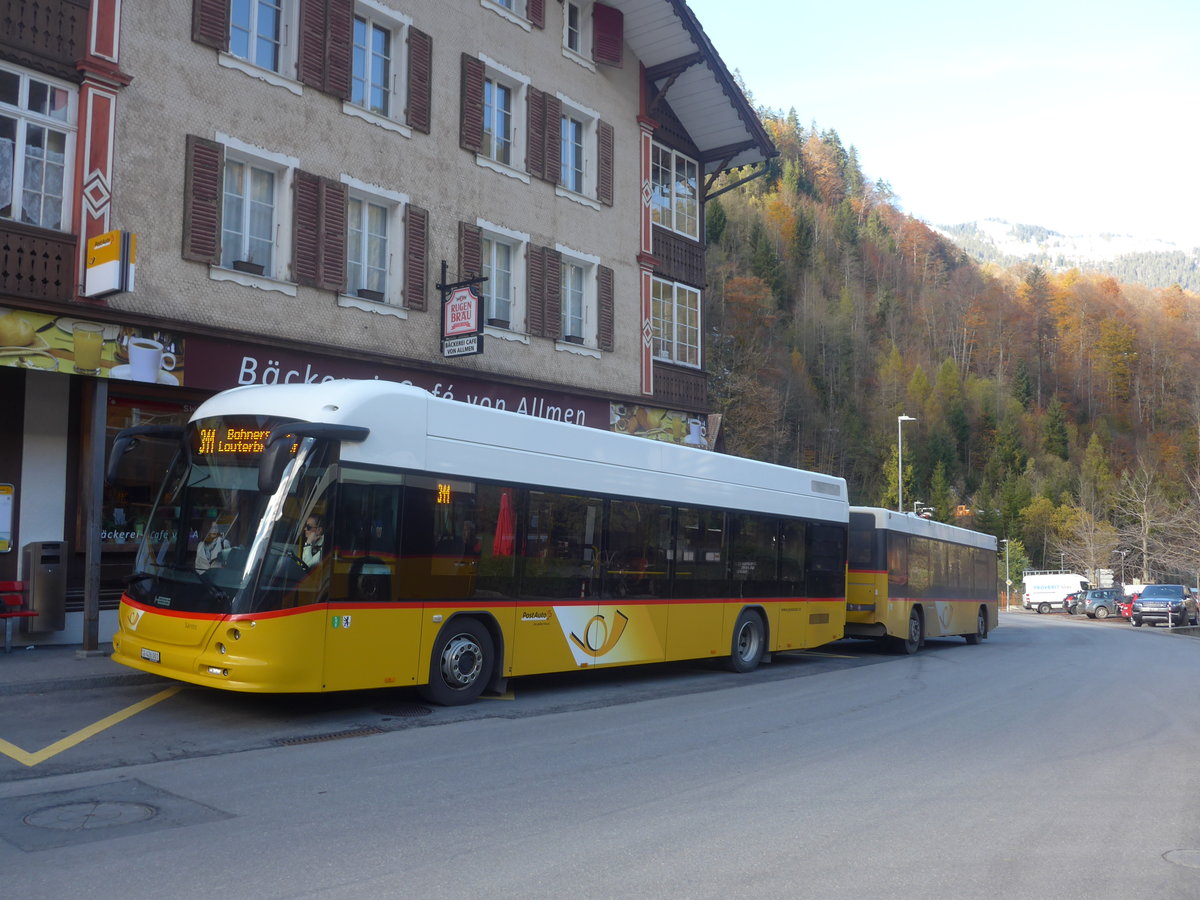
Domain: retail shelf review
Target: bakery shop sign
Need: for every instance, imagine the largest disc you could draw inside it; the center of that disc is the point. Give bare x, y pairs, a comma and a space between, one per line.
462, 317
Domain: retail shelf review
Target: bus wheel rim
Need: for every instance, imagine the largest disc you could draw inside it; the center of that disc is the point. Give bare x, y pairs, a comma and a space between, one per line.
462, 661
747, 641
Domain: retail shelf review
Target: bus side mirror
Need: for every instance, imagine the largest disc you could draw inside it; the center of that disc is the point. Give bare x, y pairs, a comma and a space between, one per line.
274, 460
125, 459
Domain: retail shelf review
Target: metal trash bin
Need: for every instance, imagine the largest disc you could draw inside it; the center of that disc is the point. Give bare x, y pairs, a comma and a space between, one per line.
46, 576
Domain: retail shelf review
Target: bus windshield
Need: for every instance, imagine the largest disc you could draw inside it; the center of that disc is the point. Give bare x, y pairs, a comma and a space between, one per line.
214, 543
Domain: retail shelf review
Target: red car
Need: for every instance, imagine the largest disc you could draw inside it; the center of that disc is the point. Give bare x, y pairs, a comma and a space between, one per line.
1125, 605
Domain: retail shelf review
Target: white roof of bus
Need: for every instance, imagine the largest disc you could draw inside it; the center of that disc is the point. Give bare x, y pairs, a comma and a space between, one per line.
412, 429
910, 524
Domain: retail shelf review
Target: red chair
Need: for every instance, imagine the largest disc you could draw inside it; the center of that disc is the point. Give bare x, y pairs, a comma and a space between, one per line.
12, 608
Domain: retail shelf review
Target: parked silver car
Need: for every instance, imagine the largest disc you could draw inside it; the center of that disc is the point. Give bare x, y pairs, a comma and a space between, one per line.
1173, 603
1100, 603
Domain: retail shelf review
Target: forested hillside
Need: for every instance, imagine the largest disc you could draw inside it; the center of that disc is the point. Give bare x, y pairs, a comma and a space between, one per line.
1062, 411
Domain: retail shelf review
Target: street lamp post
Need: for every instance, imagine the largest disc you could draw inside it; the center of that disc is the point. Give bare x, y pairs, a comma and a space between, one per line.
900, 420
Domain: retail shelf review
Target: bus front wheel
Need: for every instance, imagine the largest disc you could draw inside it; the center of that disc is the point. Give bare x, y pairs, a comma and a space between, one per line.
460, 665
749, 642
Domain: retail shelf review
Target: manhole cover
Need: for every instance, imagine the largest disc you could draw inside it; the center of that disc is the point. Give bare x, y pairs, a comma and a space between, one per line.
1189, 858
84, 816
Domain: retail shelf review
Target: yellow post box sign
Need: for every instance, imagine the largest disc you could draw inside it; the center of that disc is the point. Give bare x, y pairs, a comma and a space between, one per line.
111, 262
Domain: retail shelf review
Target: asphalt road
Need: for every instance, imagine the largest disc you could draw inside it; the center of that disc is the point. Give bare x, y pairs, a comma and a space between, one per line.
1059, 759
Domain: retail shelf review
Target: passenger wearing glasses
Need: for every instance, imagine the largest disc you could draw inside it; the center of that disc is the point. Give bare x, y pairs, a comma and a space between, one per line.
314, 540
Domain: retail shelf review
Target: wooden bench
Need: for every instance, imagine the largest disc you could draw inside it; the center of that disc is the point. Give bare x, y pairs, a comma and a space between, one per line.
12, 608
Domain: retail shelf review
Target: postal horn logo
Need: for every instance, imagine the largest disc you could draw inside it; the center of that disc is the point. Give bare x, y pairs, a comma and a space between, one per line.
598, 636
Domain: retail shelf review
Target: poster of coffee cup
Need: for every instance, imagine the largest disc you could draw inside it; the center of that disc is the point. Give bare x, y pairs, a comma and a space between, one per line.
150, 361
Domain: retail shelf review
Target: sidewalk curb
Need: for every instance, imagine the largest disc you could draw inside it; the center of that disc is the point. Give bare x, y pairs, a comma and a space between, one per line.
51, 685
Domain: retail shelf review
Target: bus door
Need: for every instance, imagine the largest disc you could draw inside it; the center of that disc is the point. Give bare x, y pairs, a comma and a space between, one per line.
635, 583
371, 639
559, 625
701, 587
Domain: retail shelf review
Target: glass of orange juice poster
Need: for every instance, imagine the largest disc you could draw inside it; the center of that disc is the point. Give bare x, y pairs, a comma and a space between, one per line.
89, 340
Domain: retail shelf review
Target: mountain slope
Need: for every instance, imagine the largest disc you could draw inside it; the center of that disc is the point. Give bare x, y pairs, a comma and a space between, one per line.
1132, 260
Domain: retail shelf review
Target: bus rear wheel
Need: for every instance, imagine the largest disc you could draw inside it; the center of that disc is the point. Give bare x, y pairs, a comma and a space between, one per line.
916, 634
749, 642
981, 628
460, 665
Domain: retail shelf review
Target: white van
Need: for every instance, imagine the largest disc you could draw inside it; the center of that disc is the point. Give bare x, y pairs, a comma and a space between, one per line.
1045, 590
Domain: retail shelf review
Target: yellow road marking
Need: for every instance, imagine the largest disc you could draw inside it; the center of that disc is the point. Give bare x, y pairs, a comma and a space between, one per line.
507, 695
32, 759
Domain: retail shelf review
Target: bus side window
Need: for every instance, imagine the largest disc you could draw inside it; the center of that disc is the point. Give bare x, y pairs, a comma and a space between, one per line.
791, 557
562, 541
753, 550
364, 542
700, 558
826, 560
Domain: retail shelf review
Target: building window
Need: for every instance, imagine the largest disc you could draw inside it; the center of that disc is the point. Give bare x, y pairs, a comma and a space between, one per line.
256, 32
37, 147
248, 217
573, 27
497, 121
499, 295
675, 322
572, 300
675, 191
572, 154
368, 226
371, 82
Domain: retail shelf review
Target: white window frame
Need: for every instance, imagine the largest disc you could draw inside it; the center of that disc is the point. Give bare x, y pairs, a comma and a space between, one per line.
669, 340
65, 125
518, 242
283, 75
588, 119
511, 10
590, 306
283, 167
581, 53
667, 208
393, 292
518, 86
376, 15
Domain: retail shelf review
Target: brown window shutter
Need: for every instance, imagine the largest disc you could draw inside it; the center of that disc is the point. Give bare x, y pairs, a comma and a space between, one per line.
420, 80
604, 300
535, 132
535, 291
470, 251
608, 35
202, 193
416, 257
604, 163
535, 10
333, 235
552, 311
470, 134
310, 61
339, 49
306, 240
210, 23
553, 139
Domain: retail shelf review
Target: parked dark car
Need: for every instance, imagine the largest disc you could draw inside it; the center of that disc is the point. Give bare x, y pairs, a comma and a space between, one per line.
1172, 603
1074, 602
1100, 603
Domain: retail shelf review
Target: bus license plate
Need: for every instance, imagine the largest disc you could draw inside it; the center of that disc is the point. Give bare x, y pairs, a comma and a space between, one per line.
152, 655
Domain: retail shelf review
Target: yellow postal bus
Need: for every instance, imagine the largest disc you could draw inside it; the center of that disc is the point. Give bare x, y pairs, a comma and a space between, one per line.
912, 578
364, 534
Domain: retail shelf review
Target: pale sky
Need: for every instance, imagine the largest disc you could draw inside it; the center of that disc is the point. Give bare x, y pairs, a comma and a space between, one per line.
1079, 116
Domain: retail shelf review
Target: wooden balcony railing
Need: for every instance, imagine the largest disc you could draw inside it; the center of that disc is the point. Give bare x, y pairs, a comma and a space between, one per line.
36, 264
680, 388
